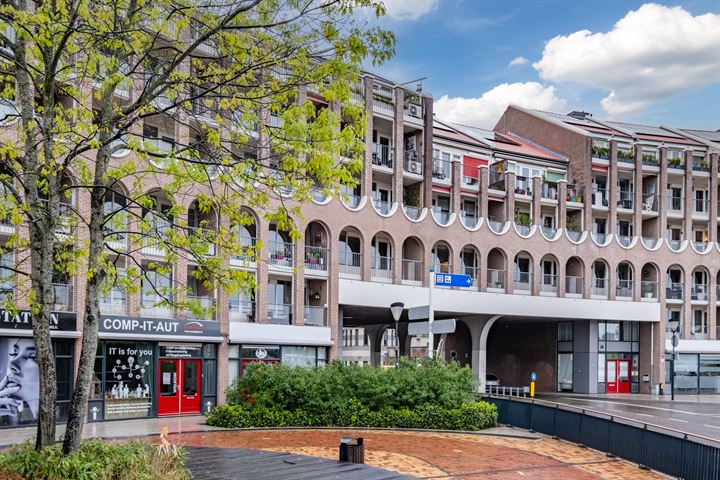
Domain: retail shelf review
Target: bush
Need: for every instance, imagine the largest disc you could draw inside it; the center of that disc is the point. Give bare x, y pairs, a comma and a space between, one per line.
95, 461
470, 416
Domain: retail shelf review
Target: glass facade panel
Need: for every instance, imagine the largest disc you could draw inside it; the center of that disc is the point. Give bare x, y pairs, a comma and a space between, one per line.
565, 372
301, 356
686, 373
709, 373
565, 332
601, 368
128, 379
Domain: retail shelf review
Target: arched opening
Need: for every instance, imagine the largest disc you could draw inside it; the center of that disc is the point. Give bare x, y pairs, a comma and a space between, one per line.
574, 277
381, 260
115, 227
523, 273
600, 275
202, 226
280, 247
649, 281
625, 279
412, 260
674, 283
442, 258
549, 280
700, 284
157, 223
316, 242
496, 264
350, 253
470, 258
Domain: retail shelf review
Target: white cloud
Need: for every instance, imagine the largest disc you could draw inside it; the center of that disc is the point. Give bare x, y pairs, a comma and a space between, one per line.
650, 54
517, 61
486, 110
409, 9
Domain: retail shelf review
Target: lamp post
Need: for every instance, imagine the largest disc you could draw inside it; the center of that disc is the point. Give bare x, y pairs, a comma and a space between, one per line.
397, 309
674, 326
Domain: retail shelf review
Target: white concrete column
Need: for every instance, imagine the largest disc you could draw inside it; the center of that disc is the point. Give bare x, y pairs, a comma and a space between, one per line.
479, 330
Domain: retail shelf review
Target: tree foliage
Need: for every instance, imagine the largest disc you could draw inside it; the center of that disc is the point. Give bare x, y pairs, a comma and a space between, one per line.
119, 115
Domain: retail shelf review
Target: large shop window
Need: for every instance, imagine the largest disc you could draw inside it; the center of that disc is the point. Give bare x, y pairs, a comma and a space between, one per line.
20, 384
128, 374
695, 373
240, 356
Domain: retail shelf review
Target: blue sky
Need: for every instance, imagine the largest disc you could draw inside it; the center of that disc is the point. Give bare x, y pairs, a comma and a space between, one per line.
660, 65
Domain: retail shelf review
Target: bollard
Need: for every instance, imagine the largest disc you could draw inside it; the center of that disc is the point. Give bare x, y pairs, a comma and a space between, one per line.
352, 450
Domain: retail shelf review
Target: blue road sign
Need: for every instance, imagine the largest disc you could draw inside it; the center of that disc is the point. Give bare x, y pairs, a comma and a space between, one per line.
451, 280
533, 377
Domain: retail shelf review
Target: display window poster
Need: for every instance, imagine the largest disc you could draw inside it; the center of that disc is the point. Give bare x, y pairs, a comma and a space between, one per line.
20, 384
128, 379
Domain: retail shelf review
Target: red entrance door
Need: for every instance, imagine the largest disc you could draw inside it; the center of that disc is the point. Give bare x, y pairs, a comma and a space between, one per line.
618, 376
179, 382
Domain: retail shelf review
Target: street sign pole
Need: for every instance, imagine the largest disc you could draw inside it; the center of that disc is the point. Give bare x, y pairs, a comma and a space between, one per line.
431, 313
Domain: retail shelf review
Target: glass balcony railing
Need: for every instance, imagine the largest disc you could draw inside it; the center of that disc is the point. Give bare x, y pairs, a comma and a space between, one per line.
626, 199
699, 292
442, 216
625, 156
549, 283
474, 273
496, 279
205, 310
574, 285
674, 291
242, 310
549, 190
413, 162
382, 206
315, 258
469, 219
350, 265
442, 267
600, 197
441, 169
523, 281
648, 289
412, 212
381, 268
599, 287
382, 155
624, 289
279, 313
315, 316
62, 297
114, 303
649, 202
352, 201
700, 164
413, 271
675, 202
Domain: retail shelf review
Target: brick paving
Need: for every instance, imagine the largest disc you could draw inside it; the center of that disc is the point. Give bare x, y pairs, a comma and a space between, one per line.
437, 455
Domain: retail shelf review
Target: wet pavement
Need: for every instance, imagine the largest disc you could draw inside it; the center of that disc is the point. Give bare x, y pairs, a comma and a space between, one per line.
694, 415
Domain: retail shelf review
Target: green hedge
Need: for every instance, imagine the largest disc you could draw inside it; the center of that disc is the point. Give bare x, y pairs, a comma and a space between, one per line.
469, 416
414, 383
95, 461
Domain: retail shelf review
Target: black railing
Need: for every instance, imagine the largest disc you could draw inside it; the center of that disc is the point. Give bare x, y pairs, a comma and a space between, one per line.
668, 451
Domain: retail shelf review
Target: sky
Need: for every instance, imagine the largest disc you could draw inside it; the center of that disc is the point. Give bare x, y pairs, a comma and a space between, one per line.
629, 61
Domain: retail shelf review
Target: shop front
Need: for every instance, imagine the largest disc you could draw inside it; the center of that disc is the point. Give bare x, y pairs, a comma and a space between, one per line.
240, 356
20, 375
146, 367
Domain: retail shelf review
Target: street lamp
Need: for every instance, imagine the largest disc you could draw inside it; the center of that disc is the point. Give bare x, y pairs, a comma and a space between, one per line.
397, 309
674, 325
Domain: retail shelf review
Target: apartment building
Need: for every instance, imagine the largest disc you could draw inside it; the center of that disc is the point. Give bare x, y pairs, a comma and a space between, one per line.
581, 238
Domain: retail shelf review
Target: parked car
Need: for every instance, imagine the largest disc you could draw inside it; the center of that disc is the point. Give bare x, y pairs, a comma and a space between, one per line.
491, 380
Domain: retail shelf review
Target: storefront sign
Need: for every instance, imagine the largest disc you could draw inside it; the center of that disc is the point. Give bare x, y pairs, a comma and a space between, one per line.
181, 351
22, 320
159, 326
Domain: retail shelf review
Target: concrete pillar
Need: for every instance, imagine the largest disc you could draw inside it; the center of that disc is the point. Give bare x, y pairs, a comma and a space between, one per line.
428, 151
536, 195
714, 198
479, 330
483, 175
398, 146
612, 189
366, 175
688, 195
510, 197
375, 335
638, 193
298, 282
662, 192
562, 204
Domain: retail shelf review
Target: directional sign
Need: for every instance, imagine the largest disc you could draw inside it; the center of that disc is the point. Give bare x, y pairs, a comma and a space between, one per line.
452, 280
439, 327
419, 313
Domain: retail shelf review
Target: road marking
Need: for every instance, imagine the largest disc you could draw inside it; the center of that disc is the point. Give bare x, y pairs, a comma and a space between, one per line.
711, 426
677, 420
644, 415
562, 401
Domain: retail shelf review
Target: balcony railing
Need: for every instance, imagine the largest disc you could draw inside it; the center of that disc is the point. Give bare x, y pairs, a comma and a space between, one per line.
674, 244
626, 199
382, 155
280, 254
442, 216
471, 182
675, 202
382, 206
413, 162
149, 308
549, 283
469, 219
205, 238
207, 307
62, 297
676, 163
315, 316
700, 165
495, 225
279, 313
600, 197
600, 287
441, 169
650, 160
412, 271
523, 281
648, 289
496, 278
412, 212
113, 304
574, 285
315, 258
624, 289
699, 292
625, 156
381, 269
352, 201
700, 246
474, 273
247, 249
549, 190
624, 240
601, 151
649, 202
523, 186
674, 291
701, 206
442, 267
600, 238
242, 310
350, 265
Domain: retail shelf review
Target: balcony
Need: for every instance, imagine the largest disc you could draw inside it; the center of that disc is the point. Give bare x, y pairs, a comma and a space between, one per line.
624, 240
574, 286
600, 238
674, 291
247, 252
205, 109
496, 279
412, 272
442, 170
381, 269
204, 238
601, 150
496, 225
626, 156
350, 200
599, 287
62, 297
315, 258
382, 206
441, 216
676, 163
473, 273
114, 303
674, 245
549, 232
624, 289
382, 156
523, 186
549, 284
649, 203
650, 160
279, 313
549, 191
412, 212
442, 267
600, 198
469, 219
350, 265
203, 307
242, 310
626, 200
523, 281
648, 289
315, 316
700, 165
699, 292
413, 162
280, 254
149, 308
701, 206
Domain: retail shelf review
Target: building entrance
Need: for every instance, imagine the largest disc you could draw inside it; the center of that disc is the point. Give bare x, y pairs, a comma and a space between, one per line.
179, 382
618, 376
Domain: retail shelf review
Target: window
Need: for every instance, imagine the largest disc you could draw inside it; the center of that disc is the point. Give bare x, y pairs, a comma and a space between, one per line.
156, 287
7, 276
565, 332
601, 368
565, 372
700, 322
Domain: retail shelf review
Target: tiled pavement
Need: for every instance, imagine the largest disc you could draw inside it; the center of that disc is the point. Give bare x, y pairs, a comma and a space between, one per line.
437, 455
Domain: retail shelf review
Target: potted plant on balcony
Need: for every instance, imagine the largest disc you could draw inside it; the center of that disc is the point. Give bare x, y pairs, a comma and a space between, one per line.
313, 258
522, 219
673, 162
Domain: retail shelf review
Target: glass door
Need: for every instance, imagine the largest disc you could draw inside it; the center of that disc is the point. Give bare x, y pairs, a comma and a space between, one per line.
612, 386
623, 376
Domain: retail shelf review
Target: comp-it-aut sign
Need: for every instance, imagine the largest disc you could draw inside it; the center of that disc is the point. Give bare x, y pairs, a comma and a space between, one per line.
159, 326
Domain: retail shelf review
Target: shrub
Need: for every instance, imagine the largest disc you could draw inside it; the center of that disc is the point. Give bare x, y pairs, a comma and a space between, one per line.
470, 416
95, 461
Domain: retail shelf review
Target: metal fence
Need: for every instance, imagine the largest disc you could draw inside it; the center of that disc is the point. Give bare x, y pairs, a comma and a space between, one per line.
668, 451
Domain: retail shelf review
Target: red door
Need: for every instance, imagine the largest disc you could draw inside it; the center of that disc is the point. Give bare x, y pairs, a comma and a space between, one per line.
179, 382
618, 376
169, 381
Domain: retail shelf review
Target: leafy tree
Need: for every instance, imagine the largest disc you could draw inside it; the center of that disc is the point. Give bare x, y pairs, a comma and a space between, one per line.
119, 113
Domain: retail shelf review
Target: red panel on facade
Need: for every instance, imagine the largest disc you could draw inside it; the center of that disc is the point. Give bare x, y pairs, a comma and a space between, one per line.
470, 166
437, 188
600, 168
